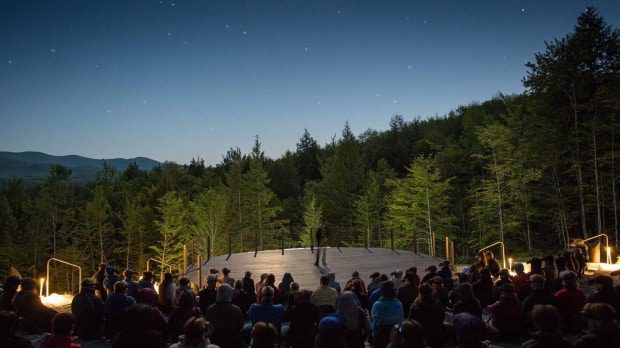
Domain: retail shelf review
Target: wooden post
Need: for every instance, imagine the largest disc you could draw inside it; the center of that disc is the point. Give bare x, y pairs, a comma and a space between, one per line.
433, 249
447, 248
199, 264
184, 260
452, 252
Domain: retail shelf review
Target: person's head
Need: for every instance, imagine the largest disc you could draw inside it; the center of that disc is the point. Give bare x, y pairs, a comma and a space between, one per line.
388, 289
549, 261
88, 286
120, 287
28, 284
383, 278
569, 279
11, 283
536, 264
375, 276
537, 282
266, 293
184, 281
168, 278
147, 296
62, 324
225, 271
546, 318
110, 270
213, 271
437, 282
224, 293
138, 318
271, 279
186, 299
508, 291
465, 291
264, 335
238, 285
324, 280
600, 317
129, 273
332, 276
397, 274
193, 330
355, 274
294, 286
409, 277
287, 277
603, 282
431, 269
488, 255
484, 273
469, 330
425, 291
409, 334
248, 274
518, 267
504, 274
413, 270
147, 275
8, 322
303, 297
211, 281
330, 332
102, 267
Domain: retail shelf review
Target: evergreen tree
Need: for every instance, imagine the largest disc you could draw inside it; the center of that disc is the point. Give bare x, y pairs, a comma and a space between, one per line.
313, 217
209, 218
172, 229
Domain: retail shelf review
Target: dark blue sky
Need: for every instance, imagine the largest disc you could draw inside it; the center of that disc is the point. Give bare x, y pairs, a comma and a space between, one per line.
172, 80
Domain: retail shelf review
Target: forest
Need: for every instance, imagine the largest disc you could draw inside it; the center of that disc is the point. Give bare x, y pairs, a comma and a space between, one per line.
534, 170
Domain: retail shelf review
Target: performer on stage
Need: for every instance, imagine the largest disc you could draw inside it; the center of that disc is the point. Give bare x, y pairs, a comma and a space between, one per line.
321, 238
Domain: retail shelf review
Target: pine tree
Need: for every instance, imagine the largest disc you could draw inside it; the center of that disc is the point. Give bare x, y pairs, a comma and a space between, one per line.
313, 217
172, 228
209, 218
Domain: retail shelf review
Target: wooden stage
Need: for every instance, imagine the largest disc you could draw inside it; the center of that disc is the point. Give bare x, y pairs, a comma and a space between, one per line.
300, 263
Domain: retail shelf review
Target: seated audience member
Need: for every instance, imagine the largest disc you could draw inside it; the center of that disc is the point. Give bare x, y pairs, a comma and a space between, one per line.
469, 331
505, 313
397, 277
99, 279
547, 334
186, 309
264, 335
408, 292
303, 318
520, 280
158, 320
355, 276
504, 278
28, 306
184, 286
409, 334
208, 295
62, 326
146, 281
430, 313
483, 288
285, 284
88, 311
550, 272
386, 313
445, 272
8, 339
325, 296
330, 333
431, 272
602, 329
479, 264
376, 294
115, 306
374, 284
137, 331
570, 301
194, 335
416, 277
466, 301
8, 293
270, 280
167, 290
267, 311
492, 264
538, 294
291, 295
348, 307
241, 299
605, 292
356, 286
248, 286
333, 283
132, 286
440, 292
226, 278
226, 318
536, 267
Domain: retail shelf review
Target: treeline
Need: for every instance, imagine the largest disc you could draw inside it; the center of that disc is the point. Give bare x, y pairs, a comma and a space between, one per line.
534, 170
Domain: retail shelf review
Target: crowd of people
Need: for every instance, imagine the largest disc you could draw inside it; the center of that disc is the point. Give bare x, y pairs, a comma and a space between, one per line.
483, 303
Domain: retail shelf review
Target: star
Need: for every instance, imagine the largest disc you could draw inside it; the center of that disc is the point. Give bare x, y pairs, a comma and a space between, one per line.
522, 10
168, 33
212, 129
245, 32
318, 103
96, 66
227, 26
425, 22
339, 12
377, 95
144, 102
10, 62
172, 4
53, 50
109, 111
395, 101
306, 49
409, 67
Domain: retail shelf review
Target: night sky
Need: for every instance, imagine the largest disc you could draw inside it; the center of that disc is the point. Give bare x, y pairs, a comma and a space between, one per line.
172, 80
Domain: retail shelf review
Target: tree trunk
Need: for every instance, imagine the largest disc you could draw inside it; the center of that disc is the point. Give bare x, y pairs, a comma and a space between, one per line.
54, 235
101, 252
128, 248
599, 221
582, 206
428, 222
613, 179
499, 198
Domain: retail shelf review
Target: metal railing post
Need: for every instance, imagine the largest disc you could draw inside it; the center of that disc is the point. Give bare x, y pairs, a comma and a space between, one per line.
47, 280
607, 249
503, 251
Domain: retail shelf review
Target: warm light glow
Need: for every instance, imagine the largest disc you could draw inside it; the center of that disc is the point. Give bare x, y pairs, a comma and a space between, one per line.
41, 282
608, 254
603, 267
510, 263
55, 300
156, 287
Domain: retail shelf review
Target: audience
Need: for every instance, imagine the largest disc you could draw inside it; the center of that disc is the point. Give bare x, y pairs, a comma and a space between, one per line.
28, 306
325, 296
226, 318
385, 313
505, 313
193, 336
430, 313
9, 290
241, 299
158, 320
408, 292
469, 331
547, 334
355, 328
409, 334
466, 302
303, 318
88, 311
208, 295
8, 339
267, 311
184, 311
115, 306
137, 331
62, 326
602, 329
570, 301
132, 286
330, 333
248, 286
226, 278
166, 292
146, 281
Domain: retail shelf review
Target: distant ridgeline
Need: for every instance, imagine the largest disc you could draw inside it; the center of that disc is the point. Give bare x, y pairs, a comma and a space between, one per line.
32, 165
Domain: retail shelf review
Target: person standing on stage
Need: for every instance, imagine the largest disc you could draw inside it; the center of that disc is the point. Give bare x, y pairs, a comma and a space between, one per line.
320, 244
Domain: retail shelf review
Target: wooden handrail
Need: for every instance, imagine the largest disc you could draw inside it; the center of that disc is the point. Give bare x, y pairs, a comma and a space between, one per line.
47, 280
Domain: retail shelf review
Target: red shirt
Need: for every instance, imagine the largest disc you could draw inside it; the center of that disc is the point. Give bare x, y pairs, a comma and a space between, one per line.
59, 341
570, 301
